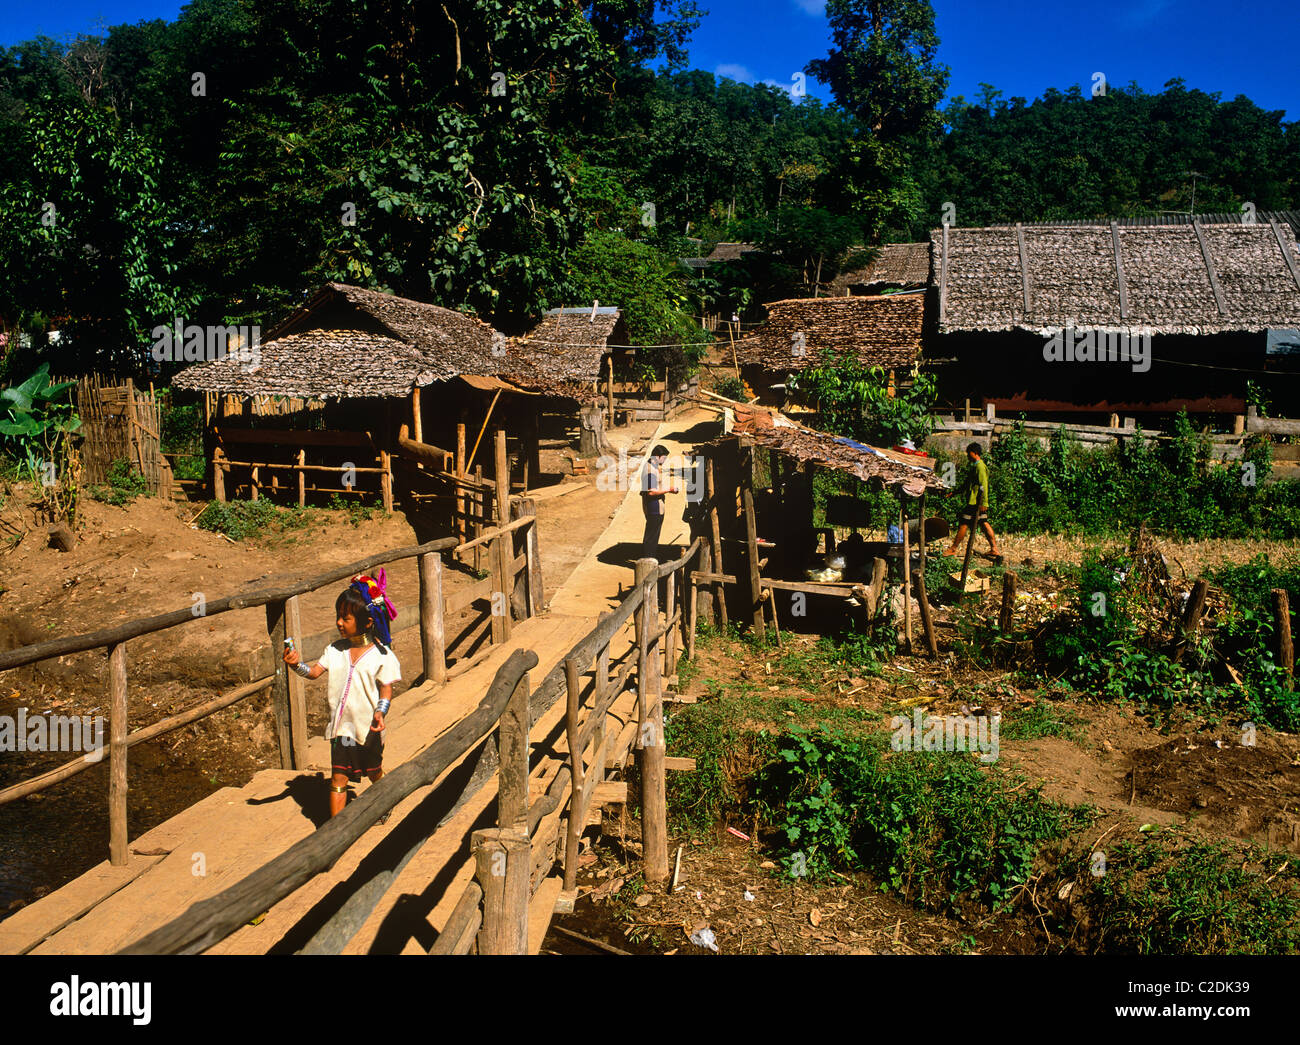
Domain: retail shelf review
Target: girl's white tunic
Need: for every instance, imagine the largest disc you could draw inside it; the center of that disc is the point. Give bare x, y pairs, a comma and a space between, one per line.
354, 688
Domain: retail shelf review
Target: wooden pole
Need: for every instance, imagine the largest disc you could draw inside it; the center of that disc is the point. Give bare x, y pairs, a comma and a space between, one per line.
703, 593
486, 418
218, 475
386, 479
927, 621
461, 473
417, 418
512, 745
275, 631
577, 783
499, 608
523, 508
480, 514
1192, 616
907, 571
670, 639
921, 533
751, 539
302, 478
297, 684
650, 754
517, 583
1282, 617
970, 547
1007, 612
117, 716
433, 636
502, 862
502, 469
609, 390
719, 593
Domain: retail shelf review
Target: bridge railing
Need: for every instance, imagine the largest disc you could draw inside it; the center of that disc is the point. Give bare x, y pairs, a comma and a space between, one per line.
513, 587
514, 858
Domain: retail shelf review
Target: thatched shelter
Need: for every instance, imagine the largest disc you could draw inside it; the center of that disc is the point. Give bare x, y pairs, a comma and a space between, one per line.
1197, 301
398, 377
757, 515
881, 331
898, 266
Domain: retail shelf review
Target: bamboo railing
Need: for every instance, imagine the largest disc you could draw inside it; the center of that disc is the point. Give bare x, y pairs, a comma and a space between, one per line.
514, 587
512, 859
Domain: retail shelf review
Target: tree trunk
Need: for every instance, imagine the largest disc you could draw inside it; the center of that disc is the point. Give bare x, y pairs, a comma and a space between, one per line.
591, 439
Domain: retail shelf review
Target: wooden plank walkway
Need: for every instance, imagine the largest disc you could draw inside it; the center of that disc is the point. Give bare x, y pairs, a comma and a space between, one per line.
231, 833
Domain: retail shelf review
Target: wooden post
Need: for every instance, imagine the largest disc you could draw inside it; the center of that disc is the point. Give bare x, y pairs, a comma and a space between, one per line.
609, 389
386, 479
927, 621
512, 746
1192, 616
253, 483
480, 513
650, 741
516, 583
751, 539
1007, 612
577, 769
417, 418
502, 478
117, 716
503, 865
670, 638
907, 570
275, 628
297, 684
218, 474
970, 547
433, 636
703, 594
461, 473
921, 533
499, 609
719, 592
523, 508
1282, 618
302, 478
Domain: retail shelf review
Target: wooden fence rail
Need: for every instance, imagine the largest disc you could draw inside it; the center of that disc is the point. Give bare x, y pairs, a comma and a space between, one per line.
512, 859
512, 574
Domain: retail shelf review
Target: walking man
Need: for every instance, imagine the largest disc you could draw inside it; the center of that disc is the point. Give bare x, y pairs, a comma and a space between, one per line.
653, 493
975, 487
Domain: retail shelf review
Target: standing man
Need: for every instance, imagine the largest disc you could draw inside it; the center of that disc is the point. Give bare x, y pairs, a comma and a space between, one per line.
653, 493
975, 488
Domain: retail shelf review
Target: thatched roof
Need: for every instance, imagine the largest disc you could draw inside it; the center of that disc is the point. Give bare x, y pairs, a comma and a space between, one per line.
348, 342
882, 330
1169, 279
902, 265
317, 364
569, 343
878, 467
720, 253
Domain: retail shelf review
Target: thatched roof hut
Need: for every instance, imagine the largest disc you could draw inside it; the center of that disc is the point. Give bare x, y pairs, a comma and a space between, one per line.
568, 345
882, 331
1154, 279
899, 266
722, 252
348, 342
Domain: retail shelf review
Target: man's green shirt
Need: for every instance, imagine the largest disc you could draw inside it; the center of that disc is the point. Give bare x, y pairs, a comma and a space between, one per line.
977, 484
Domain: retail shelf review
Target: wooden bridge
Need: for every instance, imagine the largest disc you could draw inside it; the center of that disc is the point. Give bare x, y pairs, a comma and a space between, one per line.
496, 770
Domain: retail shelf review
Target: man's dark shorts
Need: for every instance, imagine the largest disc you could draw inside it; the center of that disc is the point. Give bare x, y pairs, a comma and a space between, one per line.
968, 516
352, 759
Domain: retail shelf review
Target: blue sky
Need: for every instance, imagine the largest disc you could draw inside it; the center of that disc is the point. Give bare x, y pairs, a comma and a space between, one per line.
1019, 47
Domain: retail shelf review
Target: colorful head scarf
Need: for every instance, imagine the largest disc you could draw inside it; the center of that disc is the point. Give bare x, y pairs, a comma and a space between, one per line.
372, 589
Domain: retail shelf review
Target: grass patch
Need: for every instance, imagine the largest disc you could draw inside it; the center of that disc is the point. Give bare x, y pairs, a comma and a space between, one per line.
124, 485
240, 520
1040, 719
1168, 894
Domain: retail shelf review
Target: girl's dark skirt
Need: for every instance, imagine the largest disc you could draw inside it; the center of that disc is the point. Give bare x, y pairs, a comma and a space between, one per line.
352, 759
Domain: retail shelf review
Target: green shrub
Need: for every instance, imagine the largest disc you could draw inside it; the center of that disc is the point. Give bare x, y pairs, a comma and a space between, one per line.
934, 827
125, 484
240, 520
732, 387
1159, 897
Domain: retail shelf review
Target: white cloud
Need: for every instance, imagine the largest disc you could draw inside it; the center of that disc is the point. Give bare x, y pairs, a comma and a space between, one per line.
816, 8
733, 71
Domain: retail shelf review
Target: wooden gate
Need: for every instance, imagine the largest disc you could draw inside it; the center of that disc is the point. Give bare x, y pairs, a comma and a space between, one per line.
121, 422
